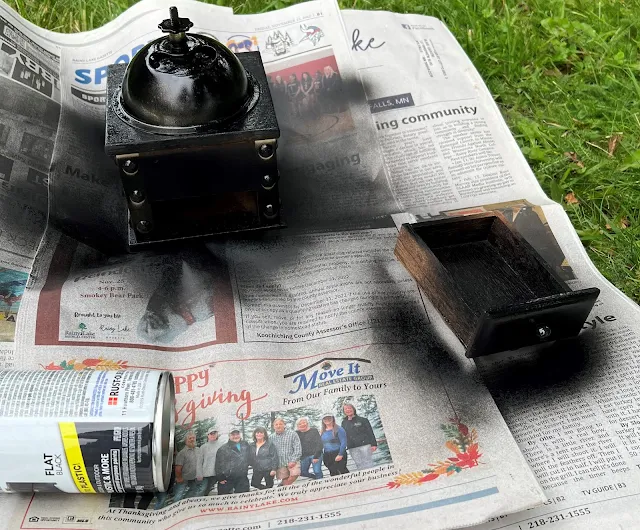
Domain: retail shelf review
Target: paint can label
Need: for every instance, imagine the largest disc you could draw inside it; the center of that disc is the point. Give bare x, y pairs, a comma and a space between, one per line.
87, 432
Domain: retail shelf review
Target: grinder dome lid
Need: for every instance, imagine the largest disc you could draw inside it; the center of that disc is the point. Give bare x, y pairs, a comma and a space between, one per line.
185, 81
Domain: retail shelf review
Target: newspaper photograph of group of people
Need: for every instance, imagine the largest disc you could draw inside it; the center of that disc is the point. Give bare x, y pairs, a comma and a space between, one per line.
316, 385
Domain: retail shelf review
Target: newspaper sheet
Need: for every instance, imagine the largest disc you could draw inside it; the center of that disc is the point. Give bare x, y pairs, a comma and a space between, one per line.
313, 323
305, 321
29, 110
572, 409
271, 330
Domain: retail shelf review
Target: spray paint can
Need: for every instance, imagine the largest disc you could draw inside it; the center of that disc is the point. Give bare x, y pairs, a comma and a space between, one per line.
86, 431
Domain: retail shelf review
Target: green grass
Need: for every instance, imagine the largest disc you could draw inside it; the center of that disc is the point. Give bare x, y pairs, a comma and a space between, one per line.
566, 75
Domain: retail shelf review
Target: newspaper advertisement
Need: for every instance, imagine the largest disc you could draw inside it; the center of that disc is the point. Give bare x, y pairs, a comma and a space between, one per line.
571, 408
413, 412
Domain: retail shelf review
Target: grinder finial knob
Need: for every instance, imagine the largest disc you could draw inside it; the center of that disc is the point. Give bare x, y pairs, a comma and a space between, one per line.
174, 24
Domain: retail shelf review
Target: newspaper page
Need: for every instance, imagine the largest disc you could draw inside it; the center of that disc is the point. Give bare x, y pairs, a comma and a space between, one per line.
572, 407
29, 110
444, 141
574, 410
310, 335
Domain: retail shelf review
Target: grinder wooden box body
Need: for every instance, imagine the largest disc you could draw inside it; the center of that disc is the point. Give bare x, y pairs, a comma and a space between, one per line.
491, 287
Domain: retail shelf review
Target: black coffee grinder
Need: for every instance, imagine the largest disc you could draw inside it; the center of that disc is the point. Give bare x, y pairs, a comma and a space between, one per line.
193, 130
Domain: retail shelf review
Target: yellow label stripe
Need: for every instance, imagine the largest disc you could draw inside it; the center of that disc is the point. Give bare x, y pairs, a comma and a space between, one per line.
74, 457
